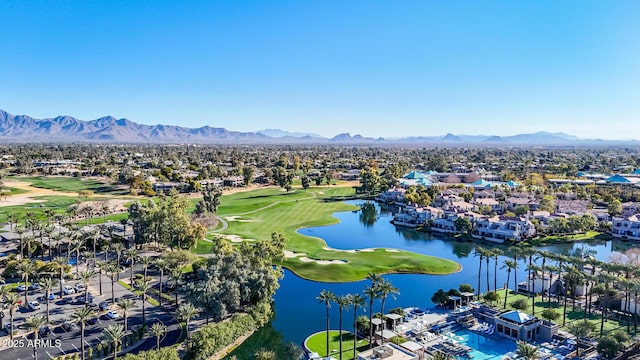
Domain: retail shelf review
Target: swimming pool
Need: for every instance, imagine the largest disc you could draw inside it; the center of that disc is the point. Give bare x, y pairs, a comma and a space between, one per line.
484, 348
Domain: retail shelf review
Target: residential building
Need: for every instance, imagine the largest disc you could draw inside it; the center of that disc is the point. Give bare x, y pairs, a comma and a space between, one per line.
627, 228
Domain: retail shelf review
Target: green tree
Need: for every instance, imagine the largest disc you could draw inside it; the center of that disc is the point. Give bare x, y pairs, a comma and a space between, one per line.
526, 351
126, 305
35, 323
520, 304
186, 312
248, 173
82, 316
385, 289
609, 347
158, 330
463, 225
357, 301
342, 302
550, 314
114, 334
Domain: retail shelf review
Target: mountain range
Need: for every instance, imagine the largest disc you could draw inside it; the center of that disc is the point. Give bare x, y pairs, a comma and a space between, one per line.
66, 129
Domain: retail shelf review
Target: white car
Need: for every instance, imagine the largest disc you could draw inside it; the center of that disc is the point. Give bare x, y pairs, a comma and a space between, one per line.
68, 290
34, 305
113, 314
79, 287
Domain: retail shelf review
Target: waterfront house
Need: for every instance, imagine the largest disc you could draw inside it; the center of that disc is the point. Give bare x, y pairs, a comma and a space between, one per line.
492, 203
395, 194
415, 216
626, 228
501, 228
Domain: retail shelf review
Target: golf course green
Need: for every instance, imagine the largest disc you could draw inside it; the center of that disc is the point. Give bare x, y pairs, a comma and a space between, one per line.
256, 214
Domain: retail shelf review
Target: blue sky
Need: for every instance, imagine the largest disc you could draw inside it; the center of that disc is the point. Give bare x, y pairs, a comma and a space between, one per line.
378, 68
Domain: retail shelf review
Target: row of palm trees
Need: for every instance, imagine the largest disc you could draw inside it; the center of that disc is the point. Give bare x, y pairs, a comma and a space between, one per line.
379, 288
579, 269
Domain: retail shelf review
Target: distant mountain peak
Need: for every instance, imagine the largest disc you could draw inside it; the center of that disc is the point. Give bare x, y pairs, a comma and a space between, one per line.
277, 133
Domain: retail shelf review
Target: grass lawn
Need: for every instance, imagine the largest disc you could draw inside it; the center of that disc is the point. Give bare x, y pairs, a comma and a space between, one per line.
318, 343
67, 184
610, 326
589, 235
273, 210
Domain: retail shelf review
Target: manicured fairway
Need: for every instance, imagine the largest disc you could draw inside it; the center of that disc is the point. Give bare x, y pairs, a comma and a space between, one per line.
66, 184
256, 214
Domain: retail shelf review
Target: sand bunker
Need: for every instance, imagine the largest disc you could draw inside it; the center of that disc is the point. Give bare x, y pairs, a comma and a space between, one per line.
237, 239
349, 251
323, 262
392, 250
290, 254
236, 218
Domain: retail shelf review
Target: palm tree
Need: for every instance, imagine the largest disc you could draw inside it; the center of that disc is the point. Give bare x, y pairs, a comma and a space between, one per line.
143, 286
117, 248
162, 265
509, 265
86, 276
114, 333
357, 301
526, 351
112, 270
480, 253
342, 302
607, 278
12, 301
635, 289
264, 354
551, 269
35, 323
131, 255
145, 261
47, 284
100, 266
82, 316
495, 253
185, 312
76, 246
439, 355
93, 235
385, 288
158, 330
372, 293
175, 277
326, 297
533, 271
125, 305
25, 270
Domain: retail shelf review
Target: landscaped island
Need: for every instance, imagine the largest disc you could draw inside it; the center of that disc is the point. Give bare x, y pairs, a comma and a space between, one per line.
256, 214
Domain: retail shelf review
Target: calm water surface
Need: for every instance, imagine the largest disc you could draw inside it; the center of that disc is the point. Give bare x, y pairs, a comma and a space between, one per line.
298, 313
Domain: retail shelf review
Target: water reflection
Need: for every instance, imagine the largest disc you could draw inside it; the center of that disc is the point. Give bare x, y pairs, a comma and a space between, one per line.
368, 214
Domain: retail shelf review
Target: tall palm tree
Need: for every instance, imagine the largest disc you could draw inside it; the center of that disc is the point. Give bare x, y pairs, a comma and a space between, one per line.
86, 276
158, 330
35, 323
186, 312
100, 267
533, 271
126, 305
47, 284
372, 293
143, 287
114, 334
145, 261
551, 269
495, 253
479, 252
607, 278
326, 297
385, 288
131, 255
175, 277
93, 235
112, 269
82, 316
60, 265
357, 301
77, 244
572, 276
342, 302
526, 351
509, 265
118, 249
26, 269
12, 301
162, 265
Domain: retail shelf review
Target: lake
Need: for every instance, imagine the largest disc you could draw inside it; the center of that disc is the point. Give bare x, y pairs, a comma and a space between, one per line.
298, 313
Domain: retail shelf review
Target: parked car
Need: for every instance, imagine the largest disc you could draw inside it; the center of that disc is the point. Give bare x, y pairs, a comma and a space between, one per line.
34, 286
69, 326
104, 305
21, 288
34, 305
79, 287
113, 314
44, 332
92, 321
68, 290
